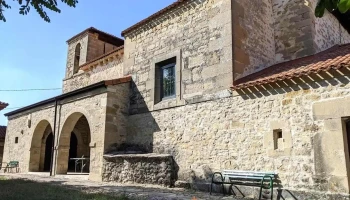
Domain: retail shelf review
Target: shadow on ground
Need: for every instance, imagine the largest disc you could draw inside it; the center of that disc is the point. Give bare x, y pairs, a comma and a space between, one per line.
15, 189
18, 186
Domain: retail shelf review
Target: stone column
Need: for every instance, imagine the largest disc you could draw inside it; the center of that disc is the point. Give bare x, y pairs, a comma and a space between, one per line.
330, 145
34, 159
62, 159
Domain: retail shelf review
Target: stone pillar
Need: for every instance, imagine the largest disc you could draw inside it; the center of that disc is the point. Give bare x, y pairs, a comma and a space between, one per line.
330, 160
330, 146
62, 159
34, 159
96, 163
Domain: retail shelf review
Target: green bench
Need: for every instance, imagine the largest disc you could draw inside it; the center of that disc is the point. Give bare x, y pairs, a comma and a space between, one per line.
11, 165
264, 180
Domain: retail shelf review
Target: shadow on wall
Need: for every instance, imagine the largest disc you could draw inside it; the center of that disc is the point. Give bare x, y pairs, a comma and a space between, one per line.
141, 129
314, 81
141, 124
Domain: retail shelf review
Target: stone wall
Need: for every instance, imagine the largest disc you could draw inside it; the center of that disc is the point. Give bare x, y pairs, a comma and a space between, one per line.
83, 40
97, 48
139, 168
117, 111
198, 34
29, 127
104, 71
19, 126
273, 31
329, 31
2, 143
253, 31
294, 29
92, 105
91, 48
237, 133
299, 33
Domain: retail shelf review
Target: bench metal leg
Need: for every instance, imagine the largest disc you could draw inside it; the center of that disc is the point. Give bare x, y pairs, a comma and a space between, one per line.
272, 190
216, 183
260, 192
270, 186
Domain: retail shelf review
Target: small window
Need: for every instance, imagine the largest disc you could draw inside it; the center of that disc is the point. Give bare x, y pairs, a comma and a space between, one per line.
16, 140
165, 80
168, 81
77, 58
277, 135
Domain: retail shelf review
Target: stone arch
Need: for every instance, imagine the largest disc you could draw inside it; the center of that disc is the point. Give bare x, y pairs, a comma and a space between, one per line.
36, 152
71, 128
77, 58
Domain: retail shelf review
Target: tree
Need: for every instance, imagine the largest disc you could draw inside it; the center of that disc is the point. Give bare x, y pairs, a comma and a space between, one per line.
331, 5
39, 5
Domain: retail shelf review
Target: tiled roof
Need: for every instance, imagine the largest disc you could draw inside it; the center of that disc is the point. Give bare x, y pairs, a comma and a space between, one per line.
100, 84
155, 15
2, 132
333, 58
3, 105
109, 37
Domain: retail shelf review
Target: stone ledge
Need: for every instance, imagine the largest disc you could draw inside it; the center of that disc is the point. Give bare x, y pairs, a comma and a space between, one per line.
149, 155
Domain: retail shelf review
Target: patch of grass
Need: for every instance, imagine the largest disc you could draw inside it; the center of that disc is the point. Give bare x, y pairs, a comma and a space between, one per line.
14, 189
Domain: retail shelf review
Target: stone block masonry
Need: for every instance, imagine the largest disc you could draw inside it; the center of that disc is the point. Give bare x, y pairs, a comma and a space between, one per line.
198, 34
237, 133
26, 130
154, 169
296, 130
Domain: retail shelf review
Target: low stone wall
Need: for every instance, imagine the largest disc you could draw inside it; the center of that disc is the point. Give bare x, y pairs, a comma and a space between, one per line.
139, 168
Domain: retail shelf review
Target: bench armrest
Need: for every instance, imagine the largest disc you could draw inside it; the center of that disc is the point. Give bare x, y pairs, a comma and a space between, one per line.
271, 180
217, 173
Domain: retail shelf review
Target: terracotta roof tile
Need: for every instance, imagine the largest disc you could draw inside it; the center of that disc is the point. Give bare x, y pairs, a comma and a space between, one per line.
88, 88
2, 132
333, 58
155, 15
109, 37
3, 105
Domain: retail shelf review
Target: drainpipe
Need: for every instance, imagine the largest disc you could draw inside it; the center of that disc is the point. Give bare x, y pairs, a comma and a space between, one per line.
53, 139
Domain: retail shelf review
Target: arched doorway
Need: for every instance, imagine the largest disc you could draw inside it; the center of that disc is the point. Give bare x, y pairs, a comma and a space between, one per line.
41, 148
73, 151
74, 146
48, 152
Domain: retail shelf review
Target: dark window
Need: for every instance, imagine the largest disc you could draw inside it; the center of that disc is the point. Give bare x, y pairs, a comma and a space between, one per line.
76, 58
277, 134
167, 81
16, 140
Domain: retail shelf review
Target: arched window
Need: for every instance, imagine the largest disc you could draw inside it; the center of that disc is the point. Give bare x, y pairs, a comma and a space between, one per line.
77, 58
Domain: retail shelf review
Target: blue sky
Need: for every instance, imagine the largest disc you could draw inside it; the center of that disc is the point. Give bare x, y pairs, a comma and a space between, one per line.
33, 53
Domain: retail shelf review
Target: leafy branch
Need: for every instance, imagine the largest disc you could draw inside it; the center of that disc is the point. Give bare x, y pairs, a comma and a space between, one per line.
39, 5
331, 5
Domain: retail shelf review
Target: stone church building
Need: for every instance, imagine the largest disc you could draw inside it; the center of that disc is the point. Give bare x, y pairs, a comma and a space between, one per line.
198, 87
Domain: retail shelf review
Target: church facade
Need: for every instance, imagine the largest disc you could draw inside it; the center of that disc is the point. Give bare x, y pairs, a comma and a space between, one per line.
259, 85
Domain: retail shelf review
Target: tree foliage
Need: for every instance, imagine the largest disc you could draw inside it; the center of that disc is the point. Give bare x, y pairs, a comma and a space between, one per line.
331, 5
39, 5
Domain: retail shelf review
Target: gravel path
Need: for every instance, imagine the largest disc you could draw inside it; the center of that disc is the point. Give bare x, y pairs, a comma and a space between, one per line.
149, 192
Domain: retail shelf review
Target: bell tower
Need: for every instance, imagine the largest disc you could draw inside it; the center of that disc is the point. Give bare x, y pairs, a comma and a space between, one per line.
87, 46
